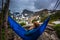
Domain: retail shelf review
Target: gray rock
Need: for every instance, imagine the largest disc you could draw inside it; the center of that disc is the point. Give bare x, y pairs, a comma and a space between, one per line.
49, 34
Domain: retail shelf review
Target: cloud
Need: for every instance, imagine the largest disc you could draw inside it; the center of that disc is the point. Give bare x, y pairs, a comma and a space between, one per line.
33, 5
58, 7
22, 4
45, 4
51, 6
39, 4
0, 3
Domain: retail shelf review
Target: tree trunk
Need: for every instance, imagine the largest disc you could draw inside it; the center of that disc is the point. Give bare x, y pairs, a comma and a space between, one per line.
0, 28
5, 16
2, 3
1, 22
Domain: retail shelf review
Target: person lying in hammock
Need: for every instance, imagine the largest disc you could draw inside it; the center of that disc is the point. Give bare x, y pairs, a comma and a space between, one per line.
34, 32
35, 25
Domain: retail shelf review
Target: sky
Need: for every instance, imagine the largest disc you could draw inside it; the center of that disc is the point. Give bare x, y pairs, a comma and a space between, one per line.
33, 5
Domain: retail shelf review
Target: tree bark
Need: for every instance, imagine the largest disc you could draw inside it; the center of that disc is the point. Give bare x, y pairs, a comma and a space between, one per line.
0, 28
5, 16
1, 14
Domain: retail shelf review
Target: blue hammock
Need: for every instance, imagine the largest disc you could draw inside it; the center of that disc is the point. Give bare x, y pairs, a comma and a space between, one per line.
27, 35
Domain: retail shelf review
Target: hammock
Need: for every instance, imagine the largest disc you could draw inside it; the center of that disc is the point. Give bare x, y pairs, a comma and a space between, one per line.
27, 35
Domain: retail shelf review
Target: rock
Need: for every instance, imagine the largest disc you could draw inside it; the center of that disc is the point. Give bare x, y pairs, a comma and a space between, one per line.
49, 34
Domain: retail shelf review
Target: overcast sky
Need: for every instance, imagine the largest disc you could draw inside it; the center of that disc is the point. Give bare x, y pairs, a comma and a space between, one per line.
33, 5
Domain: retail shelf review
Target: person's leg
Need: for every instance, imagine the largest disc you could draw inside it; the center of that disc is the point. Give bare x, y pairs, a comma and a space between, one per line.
17, 28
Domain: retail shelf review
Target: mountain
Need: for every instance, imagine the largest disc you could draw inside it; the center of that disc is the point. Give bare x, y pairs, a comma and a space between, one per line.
41, 12
27, 13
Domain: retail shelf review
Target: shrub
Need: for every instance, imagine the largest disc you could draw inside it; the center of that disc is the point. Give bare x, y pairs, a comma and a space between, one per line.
57, 29
34, 20
43, 18
22, 23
